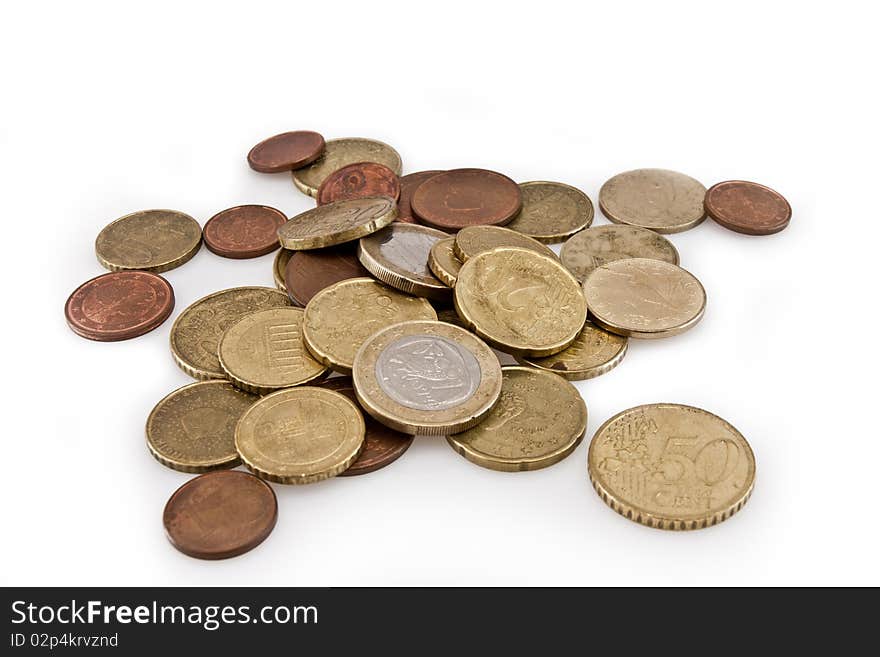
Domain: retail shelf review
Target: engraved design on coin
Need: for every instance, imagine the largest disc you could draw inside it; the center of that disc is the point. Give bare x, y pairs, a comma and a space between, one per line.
337, 222
114, 304
594, 352
552, 211
339, 153
153, 240
665, 201
748, 207
597, 246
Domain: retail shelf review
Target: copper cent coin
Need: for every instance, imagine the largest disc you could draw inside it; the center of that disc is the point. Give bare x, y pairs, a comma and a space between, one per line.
747, 207
287, 151
220, 514
467, 197
359, 180
309, 272
119, 305
408, 185
245, 231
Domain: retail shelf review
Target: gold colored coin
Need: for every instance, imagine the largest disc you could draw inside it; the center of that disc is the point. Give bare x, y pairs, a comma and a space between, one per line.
664, 201
538, 421
300, 435
264, 351
449, 316
149, 240
443, 262
600, 245
473, 240
196, 333
341, 317
552, 212
643, 298
340, 153
671, 466
594, 352
193, 428
424, 377
336, 223
279, 266
520, 301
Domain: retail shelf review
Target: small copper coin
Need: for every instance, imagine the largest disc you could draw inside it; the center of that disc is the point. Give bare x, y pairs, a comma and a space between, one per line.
359, 180
245, 231
408, 185
309, 272
467, 197
287, 151
119, 305
220, 514
381, 444
747, 207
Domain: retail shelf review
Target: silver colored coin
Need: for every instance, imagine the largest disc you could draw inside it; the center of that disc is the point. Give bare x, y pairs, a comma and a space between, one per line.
398, 256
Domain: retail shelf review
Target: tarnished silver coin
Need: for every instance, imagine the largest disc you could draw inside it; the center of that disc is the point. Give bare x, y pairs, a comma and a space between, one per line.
599, 245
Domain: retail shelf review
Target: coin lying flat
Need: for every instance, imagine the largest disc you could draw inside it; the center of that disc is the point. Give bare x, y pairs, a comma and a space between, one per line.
443, 262
599, 245
449, 316
342, 152
520, 301
426, 378
538, 421
300, 435
309, 272
359, 180
671, 466
552, 212
467, 197
341, 317
196, 333
263, 351
193, 428
747, 207
336, 223
245, 231
220, 515
119, 306
149, 240
408, 185
398, 256
644, 298
662, 200
595, 351
287, 151
279, 266
472, 240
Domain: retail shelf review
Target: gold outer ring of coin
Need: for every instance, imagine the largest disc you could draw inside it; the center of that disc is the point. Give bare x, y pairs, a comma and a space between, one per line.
473, 240
279, 266
685, 457
463, 442
390, 158
373, 213
549, 236
189, 251
443, 262
567, 366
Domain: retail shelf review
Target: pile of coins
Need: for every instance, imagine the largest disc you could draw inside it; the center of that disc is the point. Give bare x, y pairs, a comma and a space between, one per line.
393, 295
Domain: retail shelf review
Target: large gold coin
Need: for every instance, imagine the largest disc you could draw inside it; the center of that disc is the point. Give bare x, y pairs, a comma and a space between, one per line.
600, 245
149, 240
196, 333
341, 317
443, 262
264, 351
279, 266
538, 421
335, 223
552, 212
662, 200
193, 428
473, 240
671, 466
520, 301
427, 378
594, 352
643, 298
340, 153
300, 435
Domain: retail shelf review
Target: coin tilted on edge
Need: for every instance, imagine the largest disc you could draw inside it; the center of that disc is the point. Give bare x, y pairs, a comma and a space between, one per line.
538, 421
426, 378
643, 298
600, 245
443, 262
520, 301
193, 428
220, 514
342, 152
263, 351
309, 272
279, 266
659, 199
149, 240
336, 223
472, 240
408, 185
467, 197
747, 207
287, 151
552, 212
245, 231
359, 180
341, 317
595, 351
671, 466
300, 435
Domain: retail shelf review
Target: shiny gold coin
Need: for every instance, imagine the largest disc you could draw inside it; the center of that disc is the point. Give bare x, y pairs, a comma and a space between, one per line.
264, 351
600, 245
341, 317
594, 352
443, 262
474, 240
671, 466
336, 223
538, 421
340, 153
664, 201
300, 435
279, 266
193, 428
196, 333
552, 212
643, 298
428, 378
520, 301
149, 240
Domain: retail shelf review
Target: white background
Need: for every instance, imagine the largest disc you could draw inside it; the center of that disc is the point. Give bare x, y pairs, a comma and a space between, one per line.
108, 109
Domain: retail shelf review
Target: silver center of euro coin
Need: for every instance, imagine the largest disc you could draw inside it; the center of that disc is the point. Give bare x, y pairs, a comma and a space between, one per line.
409, 251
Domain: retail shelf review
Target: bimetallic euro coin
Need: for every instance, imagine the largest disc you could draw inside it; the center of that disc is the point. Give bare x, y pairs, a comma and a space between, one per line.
336, 223
600, 245
149, 240
664, 201
339, 153
473, 240
552, 212
595, 351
